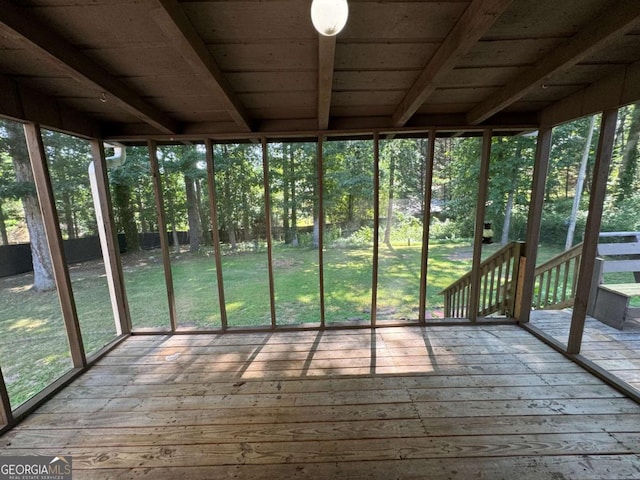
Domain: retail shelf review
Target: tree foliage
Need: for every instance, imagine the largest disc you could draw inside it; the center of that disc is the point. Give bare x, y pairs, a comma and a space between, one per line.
348, 187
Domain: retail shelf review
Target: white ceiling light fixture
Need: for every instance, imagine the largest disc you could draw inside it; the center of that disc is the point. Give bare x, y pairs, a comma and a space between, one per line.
329, 16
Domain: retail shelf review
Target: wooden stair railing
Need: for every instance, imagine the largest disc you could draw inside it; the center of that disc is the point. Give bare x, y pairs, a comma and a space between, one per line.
497, 285
556, 280
554, 286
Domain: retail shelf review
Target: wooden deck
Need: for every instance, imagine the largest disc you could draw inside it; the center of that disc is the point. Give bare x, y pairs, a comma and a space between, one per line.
408, 403
617, 351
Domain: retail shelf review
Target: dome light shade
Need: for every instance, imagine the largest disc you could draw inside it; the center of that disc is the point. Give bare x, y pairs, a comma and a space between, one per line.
329, 16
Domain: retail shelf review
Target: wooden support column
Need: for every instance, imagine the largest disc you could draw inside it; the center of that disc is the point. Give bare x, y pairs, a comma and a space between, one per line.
6, 416
162, 227
213, 207
592, 229
376, 227
483, 189
426, 220
522, 309
109, 241
267, 221
54, 237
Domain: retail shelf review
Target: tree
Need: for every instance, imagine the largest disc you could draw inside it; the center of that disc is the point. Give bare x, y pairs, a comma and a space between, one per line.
7, 187
348, 192
193, 172
402, 167
463, 191
69, 159
240, 195
629, 167
579, 184
42, 268
126, 182
509, 171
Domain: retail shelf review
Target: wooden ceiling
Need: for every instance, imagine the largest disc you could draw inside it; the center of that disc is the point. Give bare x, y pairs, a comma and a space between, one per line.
129, 70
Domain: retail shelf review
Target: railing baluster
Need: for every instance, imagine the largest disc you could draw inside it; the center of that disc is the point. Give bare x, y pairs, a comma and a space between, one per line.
565, 281
483, 294
492, 285
540, 289
547, 289
556, 284
576, 271
498, 289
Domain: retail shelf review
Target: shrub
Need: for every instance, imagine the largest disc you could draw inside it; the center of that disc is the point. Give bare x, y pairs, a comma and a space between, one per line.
625, 217
444, 229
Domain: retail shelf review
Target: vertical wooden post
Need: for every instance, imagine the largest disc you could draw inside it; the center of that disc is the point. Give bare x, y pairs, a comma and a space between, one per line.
54, 238
6, 416
483, 188
162, 227
320, 220
111, 254
517, 280
426, 220
376, 227
592, 229
213, 207
267, 221
522, 308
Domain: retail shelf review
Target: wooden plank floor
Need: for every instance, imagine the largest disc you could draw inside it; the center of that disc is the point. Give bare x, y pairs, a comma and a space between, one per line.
487, 402
617, 351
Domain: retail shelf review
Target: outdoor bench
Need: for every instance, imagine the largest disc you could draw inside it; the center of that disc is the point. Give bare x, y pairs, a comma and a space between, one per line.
610, 301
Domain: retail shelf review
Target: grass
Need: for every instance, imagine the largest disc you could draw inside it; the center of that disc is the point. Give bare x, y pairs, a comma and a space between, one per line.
33, 346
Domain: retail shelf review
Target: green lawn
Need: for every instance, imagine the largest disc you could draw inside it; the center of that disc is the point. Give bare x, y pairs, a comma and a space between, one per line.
33, 345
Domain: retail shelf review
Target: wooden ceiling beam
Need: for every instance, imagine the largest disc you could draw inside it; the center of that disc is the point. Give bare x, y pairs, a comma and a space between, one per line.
326, 62
604, 27
22, 103
476, 20
177, 26
617, 89
82, 68
306, 128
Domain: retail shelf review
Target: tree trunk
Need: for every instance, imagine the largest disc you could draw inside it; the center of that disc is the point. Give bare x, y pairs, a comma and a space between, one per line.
233, 241
286, 178
387, 230
315, 240
42, 269
246, 220
629, 166
193, 215
68, 216
579, 185
3, 228
294, 206
205, 222
143, 222
507, 219
423, 170
316, 232
228, 212
350, 219
125, 216
509, 208
172, 221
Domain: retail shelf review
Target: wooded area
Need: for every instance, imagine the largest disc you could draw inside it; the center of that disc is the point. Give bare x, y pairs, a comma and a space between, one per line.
348, 206
348, 201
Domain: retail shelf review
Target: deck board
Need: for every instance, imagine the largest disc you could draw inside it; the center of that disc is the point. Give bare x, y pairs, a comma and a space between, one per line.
410, 402
617, 351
